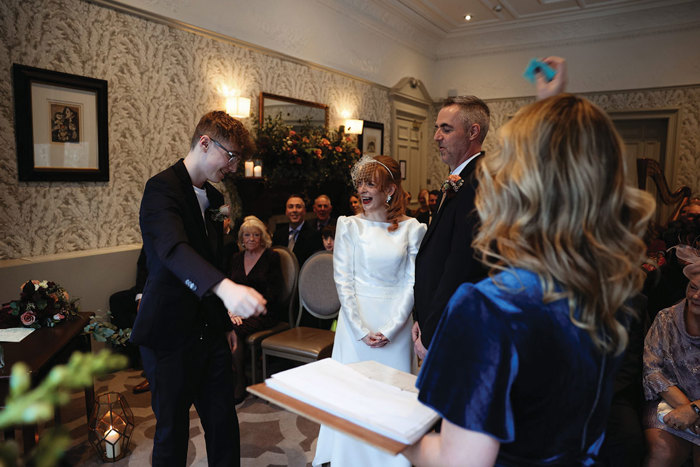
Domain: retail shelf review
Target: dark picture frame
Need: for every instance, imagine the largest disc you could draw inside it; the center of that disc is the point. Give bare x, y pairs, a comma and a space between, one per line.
371, 141
60, 126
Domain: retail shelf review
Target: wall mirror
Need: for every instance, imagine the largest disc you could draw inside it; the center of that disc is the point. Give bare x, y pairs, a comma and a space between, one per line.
294, 112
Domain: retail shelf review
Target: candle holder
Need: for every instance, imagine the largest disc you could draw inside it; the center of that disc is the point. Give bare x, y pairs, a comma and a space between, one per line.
111, 426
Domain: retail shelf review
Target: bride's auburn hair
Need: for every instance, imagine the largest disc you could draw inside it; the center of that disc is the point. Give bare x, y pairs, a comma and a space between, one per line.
554, 201
384, 172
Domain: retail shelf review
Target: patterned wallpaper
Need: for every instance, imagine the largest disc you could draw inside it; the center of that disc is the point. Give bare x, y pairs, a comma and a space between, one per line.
161, 80
684, 99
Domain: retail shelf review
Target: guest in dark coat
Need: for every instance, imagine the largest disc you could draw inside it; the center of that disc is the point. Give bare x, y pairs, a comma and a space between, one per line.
256, 266
182, 323
297, 235
323, 209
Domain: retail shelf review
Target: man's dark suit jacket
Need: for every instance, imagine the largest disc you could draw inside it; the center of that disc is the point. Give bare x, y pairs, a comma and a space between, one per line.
445, 258
184, 261
308, 241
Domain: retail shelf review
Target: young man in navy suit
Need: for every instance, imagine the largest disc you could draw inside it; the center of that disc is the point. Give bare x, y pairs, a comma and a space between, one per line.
183, 324
445, 258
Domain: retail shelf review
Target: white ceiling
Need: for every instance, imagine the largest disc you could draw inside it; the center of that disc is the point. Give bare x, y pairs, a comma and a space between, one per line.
447, 17
437, 28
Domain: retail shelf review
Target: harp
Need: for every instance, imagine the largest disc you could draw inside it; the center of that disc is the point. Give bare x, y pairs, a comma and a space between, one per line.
649, 168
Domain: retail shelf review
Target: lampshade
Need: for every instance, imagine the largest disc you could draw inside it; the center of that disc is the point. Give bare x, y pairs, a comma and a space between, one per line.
238, 107
353, 127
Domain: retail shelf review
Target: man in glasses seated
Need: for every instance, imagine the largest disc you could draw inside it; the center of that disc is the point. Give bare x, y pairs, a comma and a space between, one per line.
184, 320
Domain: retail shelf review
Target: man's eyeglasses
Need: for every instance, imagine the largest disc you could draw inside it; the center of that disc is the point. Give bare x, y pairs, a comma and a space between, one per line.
232, 155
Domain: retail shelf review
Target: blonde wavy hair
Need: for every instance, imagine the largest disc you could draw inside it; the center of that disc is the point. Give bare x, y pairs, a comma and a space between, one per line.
253, 223
554, 201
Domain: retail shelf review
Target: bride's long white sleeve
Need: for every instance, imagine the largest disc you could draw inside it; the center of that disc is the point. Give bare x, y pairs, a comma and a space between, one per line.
344, 275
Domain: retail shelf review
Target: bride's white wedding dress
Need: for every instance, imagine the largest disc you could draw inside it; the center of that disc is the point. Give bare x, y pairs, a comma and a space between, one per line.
374, 272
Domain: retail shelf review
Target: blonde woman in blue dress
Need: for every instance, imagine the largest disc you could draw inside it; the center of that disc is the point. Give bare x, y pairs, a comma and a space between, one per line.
374, 262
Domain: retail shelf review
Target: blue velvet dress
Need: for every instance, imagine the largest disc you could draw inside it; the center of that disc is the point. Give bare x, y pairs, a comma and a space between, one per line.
505, 364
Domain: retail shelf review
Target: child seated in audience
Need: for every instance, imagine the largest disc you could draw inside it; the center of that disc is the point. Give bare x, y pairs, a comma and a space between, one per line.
328, 236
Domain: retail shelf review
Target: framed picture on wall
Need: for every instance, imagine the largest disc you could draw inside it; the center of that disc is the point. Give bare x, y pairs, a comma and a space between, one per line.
60, 126
371, 141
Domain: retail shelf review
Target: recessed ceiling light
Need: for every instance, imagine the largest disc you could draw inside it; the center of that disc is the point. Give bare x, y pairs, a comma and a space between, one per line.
467, 17
497, 8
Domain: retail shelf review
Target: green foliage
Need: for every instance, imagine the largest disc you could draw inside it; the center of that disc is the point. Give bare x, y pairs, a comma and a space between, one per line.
26, 406
107, 332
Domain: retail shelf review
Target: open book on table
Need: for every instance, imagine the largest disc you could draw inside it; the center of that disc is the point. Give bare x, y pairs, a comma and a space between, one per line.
369, 401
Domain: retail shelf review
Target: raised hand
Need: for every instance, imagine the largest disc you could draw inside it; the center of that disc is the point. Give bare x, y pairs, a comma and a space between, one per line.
558, 84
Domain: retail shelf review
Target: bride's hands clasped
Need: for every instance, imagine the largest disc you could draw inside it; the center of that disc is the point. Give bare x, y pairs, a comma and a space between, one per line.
375, 340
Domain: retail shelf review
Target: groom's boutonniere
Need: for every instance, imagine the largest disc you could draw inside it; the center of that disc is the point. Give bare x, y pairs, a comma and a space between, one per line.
220, 213
452, 185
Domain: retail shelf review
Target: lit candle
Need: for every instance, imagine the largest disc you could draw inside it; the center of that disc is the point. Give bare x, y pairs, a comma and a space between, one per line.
248, 168
112, 444
257, 171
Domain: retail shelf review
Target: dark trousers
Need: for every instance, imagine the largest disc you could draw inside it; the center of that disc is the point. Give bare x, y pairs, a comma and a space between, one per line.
199, 373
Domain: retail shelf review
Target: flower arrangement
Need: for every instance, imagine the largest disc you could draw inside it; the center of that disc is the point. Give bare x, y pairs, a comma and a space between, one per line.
308, 156
41, 303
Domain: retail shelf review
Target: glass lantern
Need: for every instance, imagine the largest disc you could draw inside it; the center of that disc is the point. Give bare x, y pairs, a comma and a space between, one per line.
111, 426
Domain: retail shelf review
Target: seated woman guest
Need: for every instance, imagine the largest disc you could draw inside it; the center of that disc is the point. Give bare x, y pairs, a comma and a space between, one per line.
256, 266
522, 364
672, 375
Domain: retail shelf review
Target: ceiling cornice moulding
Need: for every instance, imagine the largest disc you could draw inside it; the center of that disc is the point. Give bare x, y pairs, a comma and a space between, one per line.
183, 26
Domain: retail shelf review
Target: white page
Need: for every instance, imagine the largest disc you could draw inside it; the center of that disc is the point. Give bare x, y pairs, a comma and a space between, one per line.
346, 393
14, 334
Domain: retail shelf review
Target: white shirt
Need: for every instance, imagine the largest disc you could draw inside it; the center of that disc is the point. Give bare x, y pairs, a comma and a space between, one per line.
461, 166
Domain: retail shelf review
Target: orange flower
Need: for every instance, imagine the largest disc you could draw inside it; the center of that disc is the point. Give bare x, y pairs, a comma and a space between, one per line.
305, 139
338, 149
294, 151
317, 152
292, 132
325, 142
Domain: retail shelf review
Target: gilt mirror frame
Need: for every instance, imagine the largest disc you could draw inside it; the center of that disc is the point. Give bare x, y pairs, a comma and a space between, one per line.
291, 100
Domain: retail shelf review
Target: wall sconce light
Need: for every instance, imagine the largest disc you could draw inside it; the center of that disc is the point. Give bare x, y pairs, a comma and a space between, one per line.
237, 106
353, 127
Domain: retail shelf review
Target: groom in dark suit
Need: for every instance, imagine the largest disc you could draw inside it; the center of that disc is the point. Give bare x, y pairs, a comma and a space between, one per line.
182, 323
446, 259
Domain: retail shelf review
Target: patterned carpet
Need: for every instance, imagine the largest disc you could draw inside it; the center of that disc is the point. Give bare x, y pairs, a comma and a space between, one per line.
269, 436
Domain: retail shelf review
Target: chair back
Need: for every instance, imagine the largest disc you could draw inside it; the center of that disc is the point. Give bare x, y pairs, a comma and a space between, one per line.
290, 276
317, 292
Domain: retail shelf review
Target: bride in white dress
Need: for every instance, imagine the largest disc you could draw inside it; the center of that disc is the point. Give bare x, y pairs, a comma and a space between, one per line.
373, 261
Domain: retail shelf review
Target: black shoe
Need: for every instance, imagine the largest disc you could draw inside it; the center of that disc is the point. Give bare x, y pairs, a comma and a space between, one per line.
143, 386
